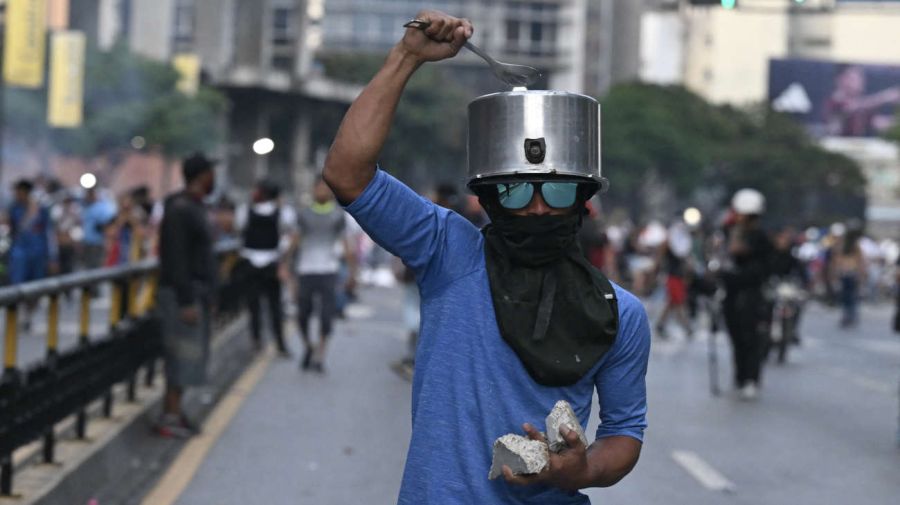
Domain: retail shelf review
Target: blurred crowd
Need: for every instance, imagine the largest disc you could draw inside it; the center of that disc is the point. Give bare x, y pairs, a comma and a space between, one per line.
50, 229
838, 265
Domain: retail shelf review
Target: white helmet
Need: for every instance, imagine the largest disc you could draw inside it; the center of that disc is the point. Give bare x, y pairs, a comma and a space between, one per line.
749, 202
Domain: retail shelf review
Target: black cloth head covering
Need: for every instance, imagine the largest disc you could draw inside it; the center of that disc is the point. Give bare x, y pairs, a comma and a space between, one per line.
557, 312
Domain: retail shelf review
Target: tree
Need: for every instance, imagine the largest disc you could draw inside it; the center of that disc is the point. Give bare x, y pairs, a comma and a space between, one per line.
427, 144
693, 145
125, 96
893, 133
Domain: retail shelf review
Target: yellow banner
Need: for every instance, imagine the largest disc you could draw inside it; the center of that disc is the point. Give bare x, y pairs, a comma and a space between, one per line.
23, 53
65, 99
188, 67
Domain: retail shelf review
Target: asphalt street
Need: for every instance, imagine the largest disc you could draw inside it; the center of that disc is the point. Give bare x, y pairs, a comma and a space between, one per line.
823, 431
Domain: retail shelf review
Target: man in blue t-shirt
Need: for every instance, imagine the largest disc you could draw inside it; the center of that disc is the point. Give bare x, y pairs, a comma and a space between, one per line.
513, 318
33, 250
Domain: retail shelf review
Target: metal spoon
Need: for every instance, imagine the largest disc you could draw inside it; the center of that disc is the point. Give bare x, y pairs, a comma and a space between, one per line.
514, 75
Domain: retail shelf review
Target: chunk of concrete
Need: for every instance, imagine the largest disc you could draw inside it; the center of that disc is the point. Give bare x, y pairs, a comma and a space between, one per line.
522, 455
562, 415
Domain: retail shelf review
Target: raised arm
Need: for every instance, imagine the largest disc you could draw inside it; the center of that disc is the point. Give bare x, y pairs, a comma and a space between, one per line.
351, 161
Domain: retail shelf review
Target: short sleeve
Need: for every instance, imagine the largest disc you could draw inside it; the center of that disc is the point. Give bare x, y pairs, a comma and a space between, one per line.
437, 244
621, 380
240, 217
287, 218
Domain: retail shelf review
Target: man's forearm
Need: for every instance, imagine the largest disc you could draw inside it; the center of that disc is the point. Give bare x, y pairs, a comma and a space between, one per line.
351, 161
611, 459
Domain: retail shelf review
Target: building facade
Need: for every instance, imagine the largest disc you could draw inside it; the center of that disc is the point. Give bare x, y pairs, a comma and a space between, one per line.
724, 55
569, 40
725, 52
255, 51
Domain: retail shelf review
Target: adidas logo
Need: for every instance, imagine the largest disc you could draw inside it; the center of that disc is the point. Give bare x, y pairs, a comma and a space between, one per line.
793, 100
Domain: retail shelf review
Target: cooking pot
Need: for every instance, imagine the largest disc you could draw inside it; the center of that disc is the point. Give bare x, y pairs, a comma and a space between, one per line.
534, 135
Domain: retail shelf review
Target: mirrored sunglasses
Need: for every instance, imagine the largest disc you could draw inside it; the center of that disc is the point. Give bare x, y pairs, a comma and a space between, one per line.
517, 195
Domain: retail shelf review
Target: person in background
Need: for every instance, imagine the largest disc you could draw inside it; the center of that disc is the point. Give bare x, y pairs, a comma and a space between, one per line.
593, 239
140, 197
673, 259
187, 275
744, 307
69, 232
321, 228
345, 288
265, 227
787, 267
849, 270
411, 319
472, 211
446, 196
33, 253
125, 233
96, 214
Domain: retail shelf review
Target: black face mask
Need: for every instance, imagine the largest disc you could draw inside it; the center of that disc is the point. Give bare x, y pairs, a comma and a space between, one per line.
557, 312
535, 241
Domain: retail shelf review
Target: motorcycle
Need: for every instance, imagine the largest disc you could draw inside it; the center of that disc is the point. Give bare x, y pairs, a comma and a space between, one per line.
788, 302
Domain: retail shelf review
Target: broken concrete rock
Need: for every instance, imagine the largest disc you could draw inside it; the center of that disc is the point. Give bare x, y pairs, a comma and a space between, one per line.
562, 415
522, 455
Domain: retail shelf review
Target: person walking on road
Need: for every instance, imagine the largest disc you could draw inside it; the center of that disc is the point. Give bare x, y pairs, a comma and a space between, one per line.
187, 274
97, 213
514, 318
849, 269
745, 308
673, 259
321, 244
266, 227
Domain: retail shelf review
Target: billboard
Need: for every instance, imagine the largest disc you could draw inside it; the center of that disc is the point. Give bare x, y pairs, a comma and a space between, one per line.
834, 98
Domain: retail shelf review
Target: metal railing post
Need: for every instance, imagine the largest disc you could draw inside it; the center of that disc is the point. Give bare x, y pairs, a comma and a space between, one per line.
148, 294
52, 350
148, 298
115, 308
115, 316
131, 304
84, 331
53, 326
84, 320
11, 340
134, 308
6, 475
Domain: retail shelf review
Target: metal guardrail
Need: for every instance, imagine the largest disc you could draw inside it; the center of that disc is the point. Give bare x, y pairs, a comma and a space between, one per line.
34, 400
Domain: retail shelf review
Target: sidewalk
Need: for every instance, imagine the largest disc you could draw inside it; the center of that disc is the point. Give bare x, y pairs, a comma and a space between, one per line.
302, 438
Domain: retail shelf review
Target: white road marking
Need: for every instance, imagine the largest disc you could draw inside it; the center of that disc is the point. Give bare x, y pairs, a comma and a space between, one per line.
706, 475
874, 385
879, 346
359, 311
193, 454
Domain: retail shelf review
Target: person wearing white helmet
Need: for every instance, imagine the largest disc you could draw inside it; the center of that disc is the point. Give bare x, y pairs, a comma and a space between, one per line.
748, 202
744, 306
513, 317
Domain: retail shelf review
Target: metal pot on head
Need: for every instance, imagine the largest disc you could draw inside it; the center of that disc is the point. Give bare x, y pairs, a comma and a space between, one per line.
534, 135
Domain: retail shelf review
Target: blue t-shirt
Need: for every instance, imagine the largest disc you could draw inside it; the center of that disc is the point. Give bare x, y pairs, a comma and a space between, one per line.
469, 386
93, 218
